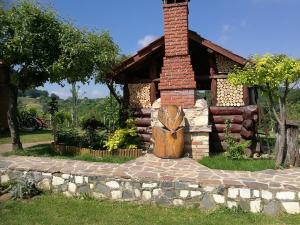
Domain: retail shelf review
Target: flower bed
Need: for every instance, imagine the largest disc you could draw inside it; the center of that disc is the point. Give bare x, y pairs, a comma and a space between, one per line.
62, 149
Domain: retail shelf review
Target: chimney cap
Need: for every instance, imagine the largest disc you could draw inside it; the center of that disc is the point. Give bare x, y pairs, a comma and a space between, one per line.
174, 1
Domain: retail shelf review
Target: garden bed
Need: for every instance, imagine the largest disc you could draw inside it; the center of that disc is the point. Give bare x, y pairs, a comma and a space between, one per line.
63, 149
46, 150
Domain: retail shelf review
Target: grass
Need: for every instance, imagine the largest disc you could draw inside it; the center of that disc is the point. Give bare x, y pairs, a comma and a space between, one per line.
29, 137
58, 210
223, 163
46, 151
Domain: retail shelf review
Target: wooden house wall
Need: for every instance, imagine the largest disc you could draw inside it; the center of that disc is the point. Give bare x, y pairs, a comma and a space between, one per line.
211, 69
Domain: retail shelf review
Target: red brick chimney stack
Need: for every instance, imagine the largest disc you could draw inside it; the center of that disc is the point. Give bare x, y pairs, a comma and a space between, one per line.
177, 79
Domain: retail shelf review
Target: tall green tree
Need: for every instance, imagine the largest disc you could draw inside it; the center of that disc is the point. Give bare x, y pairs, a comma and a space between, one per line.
29, 45
271, 74
39, 47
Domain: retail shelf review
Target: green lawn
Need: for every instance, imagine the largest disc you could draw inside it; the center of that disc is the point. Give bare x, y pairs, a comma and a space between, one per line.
58, 210
29, 137
46, 151
221, 162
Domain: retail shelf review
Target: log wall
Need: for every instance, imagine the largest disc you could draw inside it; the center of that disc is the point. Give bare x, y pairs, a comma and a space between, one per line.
243, 124
142, 118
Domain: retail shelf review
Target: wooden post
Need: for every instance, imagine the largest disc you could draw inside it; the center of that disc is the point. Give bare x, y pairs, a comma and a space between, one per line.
126, 94
246, 95
153, 74
213, 70
292, 156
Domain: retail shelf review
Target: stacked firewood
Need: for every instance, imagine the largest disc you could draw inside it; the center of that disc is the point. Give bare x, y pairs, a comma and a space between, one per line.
139, 95
228, 94
224, 64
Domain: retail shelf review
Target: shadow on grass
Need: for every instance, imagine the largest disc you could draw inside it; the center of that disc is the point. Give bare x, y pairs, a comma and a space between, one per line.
26, 132
45, 150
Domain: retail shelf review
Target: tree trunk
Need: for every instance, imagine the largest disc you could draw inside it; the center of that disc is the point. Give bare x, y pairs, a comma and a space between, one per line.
282, 150
74, 92
12, 118
292, 158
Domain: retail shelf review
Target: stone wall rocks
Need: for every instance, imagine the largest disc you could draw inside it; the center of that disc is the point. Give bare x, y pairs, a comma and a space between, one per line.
170, 193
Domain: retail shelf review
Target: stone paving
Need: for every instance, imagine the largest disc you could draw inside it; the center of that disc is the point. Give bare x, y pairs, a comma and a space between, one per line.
153, 168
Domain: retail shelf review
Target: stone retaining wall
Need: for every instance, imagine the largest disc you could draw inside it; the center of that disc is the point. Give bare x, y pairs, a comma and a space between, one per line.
167, 193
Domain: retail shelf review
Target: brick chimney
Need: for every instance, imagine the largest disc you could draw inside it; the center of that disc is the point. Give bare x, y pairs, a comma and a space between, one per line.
177, 79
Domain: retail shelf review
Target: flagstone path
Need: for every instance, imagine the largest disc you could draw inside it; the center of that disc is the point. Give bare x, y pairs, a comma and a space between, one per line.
153, 168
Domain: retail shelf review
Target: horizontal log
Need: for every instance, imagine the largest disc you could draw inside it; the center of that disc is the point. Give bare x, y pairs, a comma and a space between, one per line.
144, 130
145, 137
221, 137
226, 110
222, 119
234, 128
250, 111
248, 124
142, 113
142, 122
247, 134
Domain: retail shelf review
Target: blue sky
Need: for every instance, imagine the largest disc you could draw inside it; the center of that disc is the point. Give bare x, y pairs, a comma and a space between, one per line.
245, 27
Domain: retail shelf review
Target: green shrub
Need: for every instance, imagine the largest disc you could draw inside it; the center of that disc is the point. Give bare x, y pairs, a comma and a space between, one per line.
126, 138
235, 149
24, 189
89, 139
70, 137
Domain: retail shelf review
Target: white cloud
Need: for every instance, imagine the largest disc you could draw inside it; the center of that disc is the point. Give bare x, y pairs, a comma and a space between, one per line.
62, 93
146, 40
226, 28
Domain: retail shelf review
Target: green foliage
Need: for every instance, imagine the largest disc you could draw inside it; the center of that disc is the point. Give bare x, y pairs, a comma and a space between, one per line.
125, 138
269, 73
33, 93
235, 149
29, 42
63, 119
89, 139
24, 189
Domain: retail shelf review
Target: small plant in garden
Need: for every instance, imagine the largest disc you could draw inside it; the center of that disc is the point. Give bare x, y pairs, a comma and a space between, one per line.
94, 139
235, 149
126, 138
21, 189
53, 109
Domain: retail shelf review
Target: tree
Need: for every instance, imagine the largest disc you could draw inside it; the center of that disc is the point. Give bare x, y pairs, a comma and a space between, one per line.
74, 92
271, 74
39, 47
29, 43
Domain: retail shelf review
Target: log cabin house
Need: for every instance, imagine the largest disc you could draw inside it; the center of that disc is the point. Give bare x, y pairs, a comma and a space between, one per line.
177, 69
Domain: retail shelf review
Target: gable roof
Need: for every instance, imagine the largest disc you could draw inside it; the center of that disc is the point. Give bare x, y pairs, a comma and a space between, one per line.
159, 43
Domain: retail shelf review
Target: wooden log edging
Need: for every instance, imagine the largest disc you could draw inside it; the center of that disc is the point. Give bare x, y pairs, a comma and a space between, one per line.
133, 153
